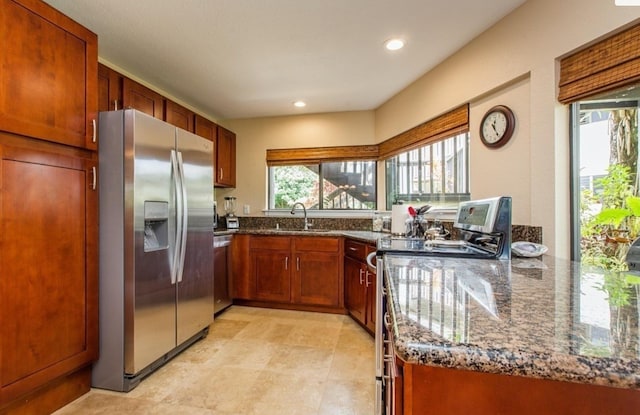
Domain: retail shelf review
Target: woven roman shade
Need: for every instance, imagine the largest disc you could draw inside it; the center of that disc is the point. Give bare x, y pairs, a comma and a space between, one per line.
606, 65
316, 155
447, 125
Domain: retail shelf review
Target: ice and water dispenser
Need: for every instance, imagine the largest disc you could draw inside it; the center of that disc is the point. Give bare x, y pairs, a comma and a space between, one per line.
156, 226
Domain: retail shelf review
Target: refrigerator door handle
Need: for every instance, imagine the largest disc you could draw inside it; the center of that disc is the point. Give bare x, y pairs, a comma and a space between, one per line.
185, 216
175, 264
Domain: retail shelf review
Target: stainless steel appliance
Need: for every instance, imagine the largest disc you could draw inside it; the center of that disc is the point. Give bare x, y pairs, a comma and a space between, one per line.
222, 259
484, 229
156, 234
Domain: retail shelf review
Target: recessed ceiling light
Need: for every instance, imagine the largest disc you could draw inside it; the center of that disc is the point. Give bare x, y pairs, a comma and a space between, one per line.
627, 2
394, 44
300, 104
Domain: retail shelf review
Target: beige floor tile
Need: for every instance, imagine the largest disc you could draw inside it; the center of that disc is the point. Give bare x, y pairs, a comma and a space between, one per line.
305, 361
313, 336
226, 328
246, 353
256, 361
350, 366
348, 397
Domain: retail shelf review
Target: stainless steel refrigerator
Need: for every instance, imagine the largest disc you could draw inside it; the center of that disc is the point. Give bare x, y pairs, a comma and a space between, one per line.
156, 238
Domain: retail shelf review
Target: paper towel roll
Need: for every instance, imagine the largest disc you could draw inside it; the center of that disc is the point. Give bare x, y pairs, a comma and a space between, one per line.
399, 216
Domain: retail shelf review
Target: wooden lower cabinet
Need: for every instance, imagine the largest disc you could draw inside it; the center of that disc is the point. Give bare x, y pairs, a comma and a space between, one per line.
48, 258
355, 294
360, 284
317, 274
434, 390
285, 270
271, 271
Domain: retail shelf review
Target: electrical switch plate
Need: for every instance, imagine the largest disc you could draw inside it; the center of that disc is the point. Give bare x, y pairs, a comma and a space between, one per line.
246, 209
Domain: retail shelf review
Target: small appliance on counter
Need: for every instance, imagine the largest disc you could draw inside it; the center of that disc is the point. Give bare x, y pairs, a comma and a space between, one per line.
215, 215
230, 210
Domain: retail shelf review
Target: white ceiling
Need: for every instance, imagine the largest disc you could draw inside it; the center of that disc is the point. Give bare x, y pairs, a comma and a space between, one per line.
251, 58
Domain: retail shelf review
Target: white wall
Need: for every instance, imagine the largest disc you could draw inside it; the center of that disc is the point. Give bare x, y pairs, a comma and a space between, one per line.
513, 63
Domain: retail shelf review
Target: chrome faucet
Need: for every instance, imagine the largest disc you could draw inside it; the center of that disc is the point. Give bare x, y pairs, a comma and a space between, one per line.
304, 209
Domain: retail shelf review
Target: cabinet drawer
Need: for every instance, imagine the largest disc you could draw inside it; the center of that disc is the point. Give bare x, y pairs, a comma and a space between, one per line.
275, 243
318, 244
356, 250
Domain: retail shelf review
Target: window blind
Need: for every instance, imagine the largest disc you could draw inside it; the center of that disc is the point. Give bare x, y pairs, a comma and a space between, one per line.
447, 125
316, 155
608, 64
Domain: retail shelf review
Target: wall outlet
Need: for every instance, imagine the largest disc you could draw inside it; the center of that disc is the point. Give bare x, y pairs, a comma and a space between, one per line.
246, 209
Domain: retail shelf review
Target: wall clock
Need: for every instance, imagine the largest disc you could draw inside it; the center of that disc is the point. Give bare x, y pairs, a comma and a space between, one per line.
497, 126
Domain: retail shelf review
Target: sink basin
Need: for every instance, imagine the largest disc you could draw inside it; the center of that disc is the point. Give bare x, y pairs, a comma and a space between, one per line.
299, 230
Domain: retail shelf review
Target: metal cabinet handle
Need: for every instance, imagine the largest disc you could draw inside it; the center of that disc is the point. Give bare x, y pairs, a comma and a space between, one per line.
286, 263
367, 280
95, 130
94, 180
297, 263
115, 105
372, 267
221, 173
361, 279
352, 248
387, 320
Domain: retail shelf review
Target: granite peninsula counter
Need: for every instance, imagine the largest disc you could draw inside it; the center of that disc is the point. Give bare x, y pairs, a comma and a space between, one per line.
539, 318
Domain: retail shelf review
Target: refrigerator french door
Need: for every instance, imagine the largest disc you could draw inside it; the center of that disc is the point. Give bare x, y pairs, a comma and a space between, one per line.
156, 234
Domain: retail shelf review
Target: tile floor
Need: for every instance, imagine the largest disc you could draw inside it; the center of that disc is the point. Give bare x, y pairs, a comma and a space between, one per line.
256, 361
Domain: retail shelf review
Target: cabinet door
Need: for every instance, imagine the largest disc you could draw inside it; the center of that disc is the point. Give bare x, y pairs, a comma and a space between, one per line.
317, 278
225, 158
370, 287
48, 75
176, 114
206, 128
272, 273
48, 284
109, 89
137, 96
354, 274
243, 284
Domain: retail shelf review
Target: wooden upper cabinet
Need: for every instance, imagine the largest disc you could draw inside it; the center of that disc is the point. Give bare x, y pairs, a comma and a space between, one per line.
138, 96
48, 74
176, 114
109, 89
205, 128
225, 158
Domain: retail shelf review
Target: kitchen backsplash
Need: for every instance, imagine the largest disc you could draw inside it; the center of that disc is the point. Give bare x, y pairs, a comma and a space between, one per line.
518, 232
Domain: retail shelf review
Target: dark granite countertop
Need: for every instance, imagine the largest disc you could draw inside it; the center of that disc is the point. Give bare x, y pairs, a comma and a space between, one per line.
364, 236
543, 318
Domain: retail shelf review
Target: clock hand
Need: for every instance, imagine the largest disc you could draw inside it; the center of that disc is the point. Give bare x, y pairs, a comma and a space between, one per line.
493, 125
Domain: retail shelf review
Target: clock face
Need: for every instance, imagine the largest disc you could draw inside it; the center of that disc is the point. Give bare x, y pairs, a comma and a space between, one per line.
494, 127
497, 126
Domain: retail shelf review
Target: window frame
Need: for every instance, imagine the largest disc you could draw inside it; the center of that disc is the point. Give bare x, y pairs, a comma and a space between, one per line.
321, 168
462, 144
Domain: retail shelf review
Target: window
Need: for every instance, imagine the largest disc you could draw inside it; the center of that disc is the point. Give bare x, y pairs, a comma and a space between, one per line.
341, 185
604, 175
437, 173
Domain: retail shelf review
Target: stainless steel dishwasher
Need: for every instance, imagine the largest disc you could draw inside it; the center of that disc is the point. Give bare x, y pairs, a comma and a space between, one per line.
221, 266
